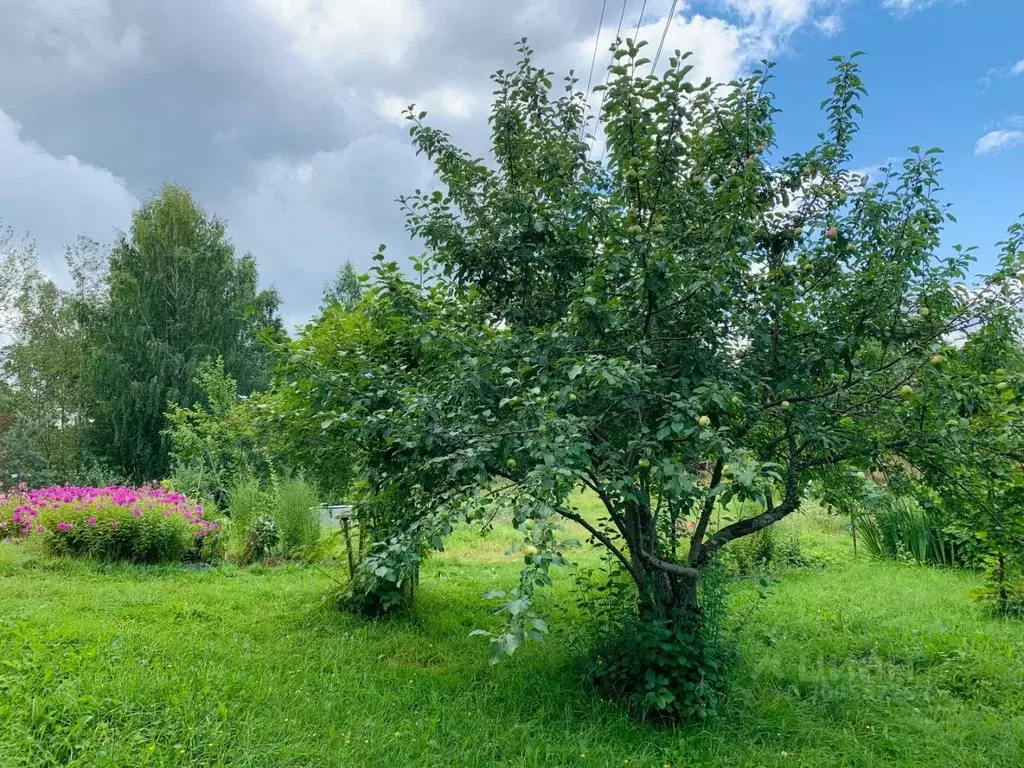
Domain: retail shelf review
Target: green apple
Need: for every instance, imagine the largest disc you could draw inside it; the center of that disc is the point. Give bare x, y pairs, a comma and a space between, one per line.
511, 463
529, 550
907, 390
643, 463
704, 421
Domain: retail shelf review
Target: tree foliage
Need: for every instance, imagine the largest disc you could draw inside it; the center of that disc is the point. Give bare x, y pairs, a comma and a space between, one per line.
216, 444
176, 296
345, 289
699, 320
42, 360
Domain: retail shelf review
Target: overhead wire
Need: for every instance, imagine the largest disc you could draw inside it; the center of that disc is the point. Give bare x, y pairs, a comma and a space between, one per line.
636, 33
664, 34
590, 77
608, 77
640, 20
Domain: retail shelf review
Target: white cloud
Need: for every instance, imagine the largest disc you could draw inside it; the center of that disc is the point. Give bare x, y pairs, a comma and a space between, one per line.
450, 101
313, 214
338, 32
907, 7
55, 199
830, 26
994, 141
997, 73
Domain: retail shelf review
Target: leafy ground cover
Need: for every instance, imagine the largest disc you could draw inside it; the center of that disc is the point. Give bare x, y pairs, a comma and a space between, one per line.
861, 663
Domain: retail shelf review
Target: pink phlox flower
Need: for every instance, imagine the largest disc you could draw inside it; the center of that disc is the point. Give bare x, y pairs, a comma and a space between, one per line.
64, 526
92, 521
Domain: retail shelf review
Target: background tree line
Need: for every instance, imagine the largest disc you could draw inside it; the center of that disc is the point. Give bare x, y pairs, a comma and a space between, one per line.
87, 373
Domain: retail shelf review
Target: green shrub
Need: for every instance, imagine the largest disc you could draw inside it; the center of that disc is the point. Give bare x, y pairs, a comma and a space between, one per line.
297, 514
766, 550
1003, 589
668, 663
247, 503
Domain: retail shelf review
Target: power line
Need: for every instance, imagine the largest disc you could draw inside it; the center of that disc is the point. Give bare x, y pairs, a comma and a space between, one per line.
639, 20
664, 34
622, 15
608, 77
590, 78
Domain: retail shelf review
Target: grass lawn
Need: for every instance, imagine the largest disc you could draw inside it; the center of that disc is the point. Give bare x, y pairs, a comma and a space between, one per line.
853, 664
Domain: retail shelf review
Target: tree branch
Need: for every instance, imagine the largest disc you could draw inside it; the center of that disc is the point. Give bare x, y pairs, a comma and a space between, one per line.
667, 567
705, 515
599, 535
759, 522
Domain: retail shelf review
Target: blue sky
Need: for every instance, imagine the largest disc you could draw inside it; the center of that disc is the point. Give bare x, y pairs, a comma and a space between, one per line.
941, 76
284, 116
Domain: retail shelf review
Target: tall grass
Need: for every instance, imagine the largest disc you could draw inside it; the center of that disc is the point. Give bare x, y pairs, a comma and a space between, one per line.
297, 514
247, 502
899, 528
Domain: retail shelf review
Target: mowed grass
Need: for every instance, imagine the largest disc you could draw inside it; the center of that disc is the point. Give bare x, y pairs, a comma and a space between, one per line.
849, 663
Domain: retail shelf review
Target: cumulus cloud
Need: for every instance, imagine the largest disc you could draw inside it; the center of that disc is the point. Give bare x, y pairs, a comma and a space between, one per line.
283, 116
994, 141
57, 198
315, 213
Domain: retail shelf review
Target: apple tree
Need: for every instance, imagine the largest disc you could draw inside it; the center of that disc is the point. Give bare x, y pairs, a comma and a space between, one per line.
694, 320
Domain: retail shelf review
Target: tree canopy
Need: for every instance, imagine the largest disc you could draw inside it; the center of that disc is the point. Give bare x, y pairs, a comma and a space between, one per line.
696, 320
176, 296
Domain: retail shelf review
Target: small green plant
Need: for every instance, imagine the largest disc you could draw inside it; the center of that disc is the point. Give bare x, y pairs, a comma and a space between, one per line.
260, 540
247, 502
767, 550
1003, 590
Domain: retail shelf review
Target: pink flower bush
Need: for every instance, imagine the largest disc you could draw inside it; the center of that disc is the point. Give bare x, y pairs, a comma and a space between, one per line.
148, 524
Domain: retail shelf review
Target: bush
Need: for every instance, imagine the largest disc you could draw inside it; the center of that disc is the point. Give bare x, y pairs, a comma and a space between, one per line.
766, 550
297, 514
247, 503
144, 525
669, 663
290, 507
